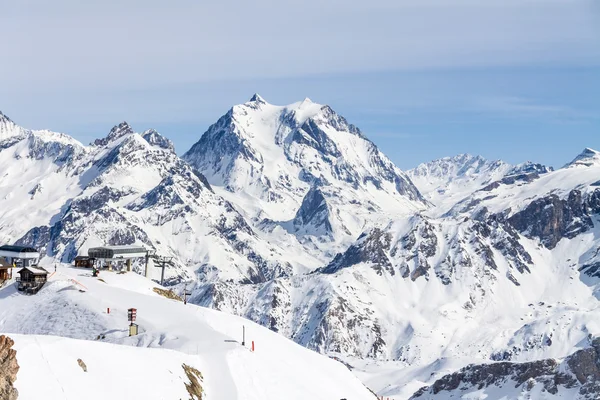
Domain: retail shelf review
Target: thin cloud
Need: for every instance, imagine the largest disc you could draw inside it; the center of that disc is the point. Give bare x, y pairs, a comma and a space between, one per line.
69, 45
523, 107
395, 135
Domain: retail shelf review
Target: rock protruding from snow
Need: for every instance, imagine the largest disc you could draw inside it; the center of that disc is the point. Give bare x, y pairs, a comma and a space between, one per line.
158, 140
370, 248
551, 218
8, 369
314, 214
117, 132
257, 99
577, 378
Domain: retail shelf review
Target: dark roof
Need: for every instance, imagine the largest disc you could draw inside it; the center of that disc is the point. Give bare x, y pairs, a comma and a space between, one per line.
18, 249
84, 258
115, 251
35, 270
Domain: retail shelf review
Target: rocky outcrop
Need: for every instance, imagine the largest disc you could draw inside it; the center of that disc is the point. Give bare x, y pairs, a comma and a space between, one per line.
370, 248
580, 372
551, 218
82, 365
8, 369
194, 387
156, 139
115, 133
314, 213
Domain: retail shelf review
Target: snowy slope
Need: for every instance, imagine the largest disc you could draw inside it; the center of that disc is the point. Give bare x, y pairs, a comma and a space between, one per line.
49, 370
73, 305
511, 273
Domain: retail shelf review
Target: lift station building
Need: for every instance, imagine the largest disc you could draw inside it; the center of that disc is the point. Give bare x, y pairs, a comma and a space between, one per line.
115, 254
19, 256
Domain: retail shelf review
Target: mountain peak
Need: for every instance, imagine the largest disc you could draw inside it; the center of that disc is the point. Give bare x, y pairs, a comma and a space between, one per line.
257, 98
587, 157
156, 139
8, 128
117, 131
306, 101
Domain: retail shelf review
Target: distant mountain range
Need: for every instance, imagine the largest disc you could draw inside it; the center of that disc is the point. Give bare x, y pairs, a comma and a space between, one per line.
292, 217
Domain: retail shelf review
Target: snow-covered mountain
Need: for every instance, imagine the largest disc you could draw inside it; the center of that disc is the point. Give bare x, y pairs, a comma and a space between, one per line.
302, 167
291, 217
63, 197
509, 273
447, 180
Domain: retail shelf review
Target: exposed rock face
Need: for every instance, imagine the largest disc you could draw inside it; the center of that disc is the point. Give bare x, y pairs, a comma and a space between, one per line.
511, 179
551, 218
8, 369
156, 139
417, 253
314, 213
370, 247
115, 133
194, 387
580, 370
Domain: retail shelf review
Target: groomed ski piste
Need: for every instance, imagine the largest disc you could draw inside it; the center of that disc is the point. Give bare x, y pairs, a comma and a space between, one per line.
69, 319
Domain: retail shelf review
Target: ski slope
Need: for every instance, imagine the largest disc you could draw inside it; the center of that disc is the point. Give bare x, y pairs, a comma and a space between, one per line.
74, 305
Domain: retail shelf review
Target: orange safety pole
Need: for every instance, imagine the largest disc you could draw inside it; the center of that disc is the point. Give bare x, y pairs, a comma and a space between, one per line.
78, 283
253, 345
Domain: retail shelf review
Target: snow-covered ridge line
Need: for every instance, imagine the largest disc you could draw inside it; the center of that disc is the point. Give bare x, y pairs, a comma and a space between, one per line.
448, 180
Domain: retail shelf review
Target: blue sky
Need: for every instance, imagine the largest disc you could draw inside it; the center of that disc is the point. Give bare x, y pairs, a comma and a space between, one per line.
515, 80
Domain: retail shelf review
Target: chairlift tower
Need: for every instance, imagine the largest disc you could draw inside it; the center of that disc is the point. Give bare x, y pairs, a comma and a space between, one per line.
162, 261
186, 294
149, 253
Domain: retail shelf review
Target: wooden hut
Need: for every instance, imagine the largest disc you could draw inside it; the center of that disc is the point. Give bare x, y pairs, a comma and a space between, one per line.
31, 279
84, 262
6, 269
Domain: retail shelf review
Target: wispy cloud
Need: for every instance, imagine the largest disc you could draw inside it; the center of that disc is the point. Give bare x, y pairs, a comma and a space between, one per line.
512, 106
395, 135
66, 44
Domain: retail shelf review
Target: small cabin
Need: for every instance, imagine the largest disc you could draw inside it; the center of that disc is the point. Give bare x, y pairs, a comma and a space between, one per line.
84, 262
31, 279
5, 270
